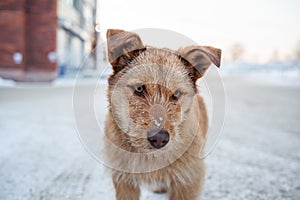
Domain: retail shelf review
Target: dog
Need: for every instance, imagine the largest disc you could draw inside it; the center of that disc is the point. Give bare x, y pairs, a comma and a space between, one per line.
156, 123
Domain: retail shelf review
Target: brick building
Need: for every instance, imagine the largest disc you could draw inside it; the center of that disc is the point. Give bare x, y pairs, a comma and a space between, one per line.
41, 39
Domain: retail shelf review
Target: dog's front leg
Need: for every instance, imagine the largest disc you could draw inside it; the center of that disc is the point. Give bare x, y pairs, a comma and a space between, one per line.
188, 191
126, 191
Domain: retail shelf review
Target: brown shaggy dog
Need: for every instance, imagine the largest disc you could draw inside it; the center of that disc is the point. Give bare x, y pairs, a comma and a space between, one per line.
156, 124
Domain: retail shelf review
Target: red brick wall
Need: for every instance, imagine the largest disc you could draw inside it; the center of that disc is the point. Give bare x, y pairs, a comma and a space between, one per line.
41, 27
12, 37
29, 27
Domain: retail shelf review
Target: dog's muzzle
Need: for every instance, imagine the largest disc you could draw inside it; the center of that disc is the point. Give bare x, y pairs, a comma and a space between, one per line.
158, 138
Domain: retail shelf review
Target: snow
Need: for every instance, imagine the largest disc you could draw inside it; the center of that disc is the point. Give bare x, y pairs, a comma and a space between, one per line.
156, 123
7, 82
41, 156
279, 73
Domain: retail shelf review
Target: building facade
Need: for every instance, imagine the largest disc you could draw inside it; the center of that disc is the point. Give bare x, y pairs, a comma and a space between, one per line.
42, 39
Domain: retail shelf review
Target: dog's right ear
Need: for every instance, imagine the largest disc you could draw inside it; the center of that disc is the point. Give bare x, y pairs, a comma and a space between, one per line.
122, 46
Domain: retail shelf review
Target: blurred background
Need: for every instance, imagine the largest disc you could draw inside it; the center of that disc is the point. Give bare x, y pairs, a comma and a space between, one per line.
46, 40
45, 44
43, 40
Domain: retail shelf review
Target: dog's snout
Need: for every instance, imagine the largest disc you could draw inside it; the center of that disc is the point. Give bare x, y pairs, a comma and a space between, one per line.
158, 138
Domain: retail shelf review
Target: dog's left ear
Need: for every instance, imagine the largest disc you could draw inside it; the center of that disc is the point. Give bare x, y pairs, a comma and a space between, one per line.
122, 46
200, 58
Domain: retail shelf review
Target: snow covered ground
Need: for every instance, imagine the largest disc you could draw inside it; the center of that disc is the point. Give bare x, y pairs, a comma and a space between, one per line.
279, 73
41, 157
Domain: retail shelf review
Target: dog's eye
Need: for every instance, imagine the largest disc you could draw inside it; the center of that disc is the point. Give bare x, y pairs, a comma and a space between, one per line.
177, 94
139, 90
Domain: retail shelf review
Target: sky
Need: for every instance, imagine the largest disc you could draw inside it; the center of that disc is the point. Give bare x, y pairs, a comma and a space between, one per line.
265, 28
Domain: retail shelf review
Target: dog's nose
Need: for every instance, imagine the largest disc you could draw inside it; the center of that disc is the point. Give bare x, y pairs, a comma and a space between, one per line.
158, 138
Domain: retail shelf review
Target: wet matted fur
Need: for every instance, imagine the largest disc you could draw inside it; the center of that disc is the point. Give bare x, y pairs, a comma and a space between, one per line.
152, 93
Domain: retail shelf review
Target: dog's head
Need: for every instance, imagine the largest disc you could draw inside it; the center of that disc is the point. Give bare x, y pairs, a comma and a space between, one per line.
151, 90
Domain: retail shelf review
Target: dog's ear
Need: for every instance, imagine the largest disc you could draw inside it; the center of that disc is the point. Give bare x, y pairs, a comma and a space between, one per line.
199, 58
122, 46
